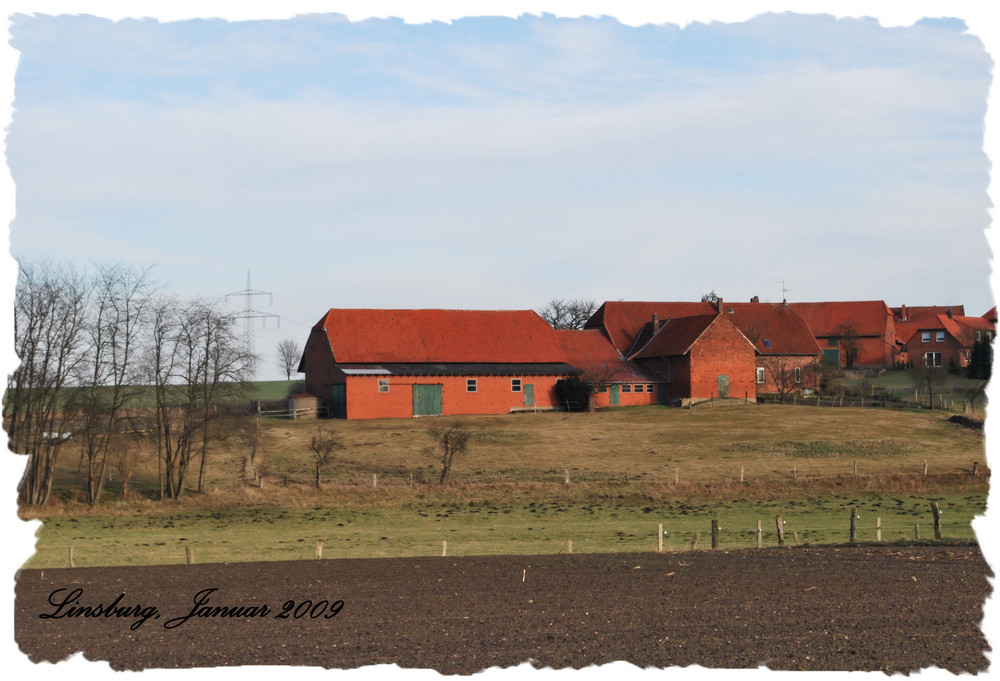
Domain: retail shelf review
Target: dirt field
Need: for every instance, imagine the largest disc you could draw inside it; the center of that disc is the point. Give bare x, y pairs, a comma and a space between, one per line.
860, 608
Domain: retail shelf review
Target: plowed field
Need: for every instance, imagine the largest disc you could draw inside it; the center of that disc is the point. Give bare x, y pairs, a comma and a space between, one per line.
895, 609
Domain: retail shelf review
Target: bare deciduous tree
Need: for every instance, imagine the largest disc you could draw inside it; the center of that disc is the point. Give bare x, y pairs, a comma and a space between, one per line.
289, 354
782, 372
850, 342
49, 317
448, 443
568, 314
323, 442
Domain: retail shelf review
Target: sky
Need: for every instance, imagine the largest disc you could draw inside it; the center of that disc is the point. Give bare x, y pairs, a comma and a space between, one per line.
502, 162
501, 156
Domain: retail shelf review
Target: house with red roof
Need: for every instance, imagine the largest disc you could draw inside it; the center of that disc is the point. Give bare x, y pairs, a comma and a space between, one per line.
700, 357
367, 363
855, 334
940, 337
785, 345
617, 381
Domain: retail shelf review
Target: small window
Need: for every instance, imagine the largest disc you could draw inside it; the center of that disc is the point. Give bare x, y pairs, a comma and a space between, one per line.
639, 387
470, 385
767, 342
626, 387
832, 342
515, 385
925, 337
383, 385
940, 337
649, 387
798, 374
932, 359
761, 375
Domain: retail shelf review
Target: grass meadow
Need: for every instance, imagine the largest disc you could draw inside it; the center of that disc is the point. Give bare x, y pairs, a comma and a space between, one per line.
629, 470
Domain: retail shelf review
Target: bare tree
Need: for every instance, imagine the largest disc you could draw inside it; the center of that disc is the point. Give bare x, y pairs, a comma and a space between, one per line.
448, 443
289, 354
108, 374
970, 393
930, 378
323, 442
782, 372
49, 317
568, 314
849, 340
125, 457
710, 297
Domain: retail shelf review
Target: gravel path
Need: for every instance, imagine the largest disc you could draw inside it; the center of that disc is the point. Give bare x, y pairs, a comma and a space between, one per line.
857, 608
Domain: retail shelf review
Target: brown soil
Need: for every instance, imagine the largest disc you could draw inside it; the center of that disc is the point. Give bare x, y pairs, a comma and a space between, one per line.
896, 609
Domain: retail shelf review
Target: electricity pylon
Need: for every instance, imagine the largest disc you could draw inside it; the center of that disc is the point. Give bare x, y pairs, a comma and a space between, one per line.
248, 315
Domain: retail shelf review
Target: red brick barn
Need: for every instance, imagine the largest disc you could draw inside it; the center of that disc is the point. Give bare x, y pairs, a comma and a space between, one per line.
786, 349
701, 357
856, 334
401, 363
619, 382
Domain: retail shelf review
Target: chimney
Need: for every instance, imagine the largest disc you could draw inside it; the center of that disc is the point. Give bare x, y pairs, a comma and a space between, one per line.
949, 313
656, 322
718, 304
902, 314
755, 299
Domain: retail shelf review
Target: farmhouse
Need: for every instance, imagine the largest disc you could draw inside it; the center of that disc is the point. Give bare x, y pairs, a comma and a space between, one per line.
855, 334
618, 382
366, 363
940, 336
700, 357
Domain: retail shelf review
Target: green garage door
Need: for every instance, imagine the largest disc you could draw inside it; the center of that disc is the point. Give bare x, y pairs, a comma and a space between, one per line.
723, 385
338, 401
427, 400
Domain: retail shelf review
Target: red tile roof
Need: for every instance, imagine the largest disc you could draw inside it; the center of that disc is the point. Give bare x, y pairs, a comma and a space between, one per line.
773, 328
909, 320
623, 321
676, 336
590, 351
870, 317
501, 336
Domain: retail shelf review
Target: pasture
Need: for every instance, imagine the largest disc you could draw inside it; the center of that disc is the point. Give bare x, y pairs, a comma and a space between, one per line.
628, 471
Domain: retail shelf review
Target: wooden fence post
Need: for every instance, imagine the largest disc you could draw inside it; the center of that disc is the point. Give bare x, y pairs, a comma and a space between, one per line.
567, 476
760, 536
677, 476
189, 550
780, 525
975, 469
659, 538
878, 529
741, 473
444, 547
715, 534
855, 468
319, 549
569, 546
936, 510
925, 467
854, 524
795, 537
374, 479
694, 540
916, 531
71, 557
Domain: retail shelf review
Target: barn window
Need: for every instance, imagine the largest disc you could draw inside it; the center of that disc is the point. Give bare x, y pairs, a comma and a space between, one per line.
470, 385
383, 385
515, 385
649, 387
626, 387
639, 387
760, 374
798, 374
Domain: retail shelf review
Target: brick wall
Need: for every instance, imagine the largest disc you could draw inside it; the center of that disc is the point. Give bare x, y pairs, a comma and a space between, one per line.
722, 350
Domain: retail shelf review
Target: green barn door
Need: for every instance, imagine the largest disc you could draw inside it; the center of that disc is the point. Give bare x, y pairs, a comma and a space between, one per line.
427, 400
831, 356
614, 398
338, 401
723, 385
529, 395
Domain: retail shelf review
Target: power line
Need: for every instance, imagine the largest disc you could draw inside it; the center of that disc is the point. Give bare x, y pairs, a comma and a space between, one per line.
249, 314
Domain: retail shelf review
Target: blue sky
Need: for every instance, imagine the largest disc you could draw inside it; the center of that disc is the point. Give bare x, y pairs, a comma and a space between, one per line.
499, 162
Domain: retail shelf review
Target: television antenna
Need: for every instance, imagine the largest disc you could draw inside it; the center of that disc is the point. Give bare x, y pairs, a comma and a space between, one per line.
784, 290
249, 314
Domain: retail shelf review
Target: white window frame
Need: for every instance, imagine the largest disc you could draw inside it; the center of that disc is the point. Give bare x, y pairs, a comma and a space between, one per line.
383, 385
939, 337
639, 388
471, 385
626, 388
798, 374
649, 387
761, 374
925, 336
515, 385
929, 358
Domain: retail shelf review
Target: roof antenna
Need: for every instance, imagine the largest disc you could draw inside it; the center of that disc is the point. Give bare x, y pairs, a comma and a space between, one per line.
784, 298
